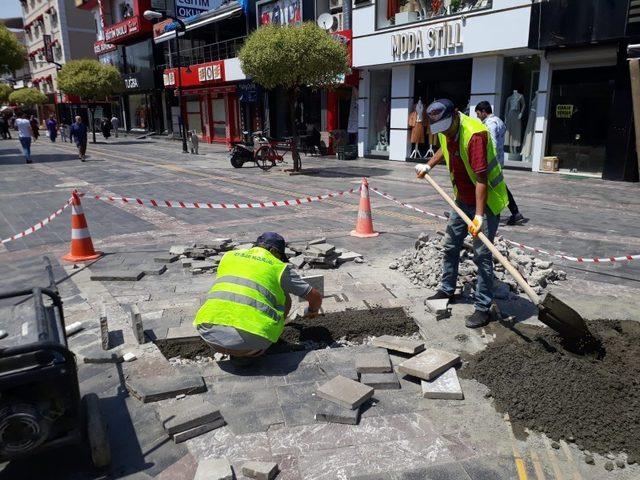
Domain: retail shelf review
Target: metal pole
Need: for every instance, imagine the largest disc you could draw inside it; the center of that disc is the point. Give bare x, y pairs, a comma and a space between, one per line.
634, 71
184, 117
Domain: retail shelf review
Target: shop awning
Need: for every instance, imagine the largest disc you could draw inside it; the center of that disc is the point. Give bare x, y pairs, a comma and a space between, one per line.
202, 20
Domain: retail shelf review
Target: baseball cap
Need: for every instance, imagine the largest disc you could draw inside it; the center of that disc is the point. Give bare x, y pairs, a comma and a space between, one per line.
272, 240
440, 113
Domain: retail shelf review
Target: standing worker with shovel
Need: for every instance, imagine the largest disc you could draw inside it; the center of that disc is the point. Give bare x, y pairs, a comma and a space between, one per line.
480, 192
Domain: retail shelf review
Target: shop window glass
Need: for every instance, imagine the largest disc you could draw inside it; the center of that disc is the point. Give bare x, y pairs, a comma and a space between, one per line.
398, 12
139, 57
518, 110
380, 112
194, 118
219, 117
139, 111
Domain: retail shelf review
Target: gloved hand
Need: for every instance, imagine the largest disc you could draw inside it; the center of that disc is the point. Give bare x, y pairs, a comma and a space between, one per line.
476, 225
309, 314
422, 169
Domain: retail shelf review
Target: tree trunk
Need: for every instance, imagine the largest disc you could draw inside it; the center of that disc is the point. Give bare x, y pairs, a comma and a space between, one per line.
297, 162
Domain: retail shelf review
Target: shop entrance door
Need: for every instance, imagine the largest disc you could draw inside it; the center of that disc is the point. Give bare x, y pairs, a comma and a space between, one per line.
580, 106
219, 118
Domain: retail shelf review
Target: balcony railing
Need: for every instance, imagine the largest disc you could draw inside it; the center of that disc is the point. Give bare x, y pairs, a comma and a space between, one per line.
206, 53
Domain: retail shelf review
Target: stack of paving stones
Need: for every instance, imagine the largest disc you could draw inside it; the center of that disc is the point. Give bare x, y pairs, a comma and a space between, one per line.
203, 258
319, 254
189, 417
423, 266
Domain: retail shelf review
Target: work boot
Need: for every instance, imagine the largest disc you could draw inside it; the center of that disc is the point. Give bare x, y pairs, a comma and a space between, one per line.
516, 219
477, 319
440, 295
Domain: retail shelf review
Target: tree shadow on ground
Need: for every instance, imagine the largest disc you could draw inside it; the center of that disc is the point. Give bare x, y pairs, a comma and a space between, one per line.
18, 159
342, 172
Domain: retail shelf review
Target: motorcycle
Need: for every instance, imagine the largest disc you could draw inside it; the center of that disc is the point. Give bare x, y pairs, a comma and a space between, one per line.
242, 152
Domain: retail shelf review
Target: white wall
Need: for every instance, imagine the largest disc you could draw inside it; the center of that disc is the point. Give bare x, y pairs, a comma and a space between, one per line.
232, 70
402, 83
486, 82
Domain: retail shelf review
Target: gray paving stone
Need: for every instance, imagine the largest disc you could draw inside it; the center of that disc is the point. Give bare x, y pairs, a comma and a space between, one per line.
329, 412
297, 261
316, 281
260, 470
151, 389
316, 241
154, 269
179, 249
445, 386
440, 308
381, 381
166, 258
184, 333
376, 361
429, 364
117, 276
136, 324
399, 344
97, 355
187, 413
185, 435
322, 249
214, 469
345, 392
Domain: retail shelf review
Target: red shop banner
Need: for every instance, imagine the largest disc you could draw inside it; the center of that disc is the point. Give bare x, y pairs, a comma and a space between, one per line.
195, 75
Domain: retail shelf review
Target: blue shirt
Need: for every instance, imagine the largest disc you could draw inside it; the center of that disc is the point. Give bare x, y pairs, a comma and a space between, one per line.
497, 130
78, 132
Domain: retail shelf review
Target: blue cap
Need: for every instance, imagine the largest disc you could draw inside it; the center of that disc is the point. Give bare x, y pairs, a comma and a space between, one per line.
272, 240
440, 114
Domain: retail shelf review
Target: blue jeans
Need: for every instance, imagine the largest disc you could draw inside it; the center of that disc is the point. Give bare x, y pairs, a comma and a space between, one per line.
26, 147
453, 240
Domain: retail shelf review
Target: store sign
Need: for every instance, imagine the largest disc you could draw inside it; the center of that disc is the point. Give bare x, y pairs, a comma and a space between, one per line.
130, 83
279, 12
564, 111
195, 75
344, 37
189, 8
432, 41
248, 92
209, 73
169, 78
142, 80
159, 28
101, 47
121, 30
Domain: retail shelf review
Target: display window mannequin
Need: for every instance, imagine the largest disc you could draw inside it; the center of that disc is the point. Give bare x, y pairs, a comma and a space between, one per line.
514, 110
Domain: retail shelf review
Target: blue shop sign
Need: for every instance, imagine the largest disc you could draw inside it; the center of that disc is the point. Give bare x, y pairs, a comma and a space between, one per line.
248, 92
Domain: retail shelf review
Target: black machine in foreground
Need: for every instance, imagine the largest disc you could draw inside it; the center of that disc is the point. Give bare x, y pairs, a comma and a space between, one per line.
40, 404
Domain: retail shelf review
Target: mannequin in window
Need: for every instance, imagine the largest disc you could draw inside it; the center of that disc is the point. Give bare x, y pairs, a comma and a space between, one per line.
416, 122
514, 109
382, 120
527, 145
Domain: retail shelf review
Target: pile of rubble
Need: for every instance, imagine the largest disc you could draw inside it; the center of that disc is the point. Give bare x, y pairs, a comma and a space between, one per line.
423, 266
205, 258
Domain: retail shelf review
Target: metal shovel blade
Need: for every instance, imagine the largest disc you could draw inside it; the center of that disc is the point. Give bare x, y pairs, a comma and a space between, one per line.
563, 319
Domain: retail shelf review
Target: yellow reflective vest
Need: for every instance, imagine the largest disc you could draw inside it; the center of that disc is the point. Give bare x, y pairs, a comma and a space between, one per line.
247, 294
497, 197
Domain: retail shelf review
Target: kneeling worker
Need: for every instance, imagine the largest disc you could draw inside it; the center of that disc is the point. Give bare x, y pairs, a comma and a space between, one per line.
246, 307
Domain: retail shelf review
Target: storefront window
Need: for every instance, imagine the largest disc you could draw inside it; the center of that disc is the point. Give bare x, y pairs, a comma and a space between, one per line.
398, 12
139, 57
139, 111
380, 111
194, 117
520, 84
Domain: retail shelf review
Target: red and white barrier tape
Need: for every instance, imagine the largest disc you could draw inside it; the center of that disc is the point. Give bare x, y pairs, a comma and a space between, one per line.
38, 225
179, 204
623, 258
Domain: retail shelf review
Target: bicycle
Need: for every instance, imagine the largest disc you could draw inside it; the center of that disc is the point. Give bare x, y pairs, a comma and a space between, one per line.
273, 152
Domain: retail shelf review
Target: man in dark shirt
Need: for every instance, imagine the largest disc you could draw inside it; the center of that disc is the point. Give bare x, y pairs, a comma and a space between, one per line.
480, 192
78, 133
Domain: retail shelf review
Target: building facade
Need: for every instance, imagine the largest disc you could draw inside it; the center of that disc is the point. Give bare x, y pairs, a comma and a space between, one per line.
55, 32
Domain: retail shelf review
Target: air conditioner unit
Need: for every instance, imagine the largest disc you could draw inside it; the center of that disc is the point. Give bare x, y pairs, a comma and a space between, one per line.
333, 4
338, 23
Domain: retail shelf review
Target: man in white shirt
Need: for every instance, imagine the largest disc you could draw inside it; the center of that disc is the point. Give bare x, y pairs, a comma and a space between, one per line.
24, 134
497, 130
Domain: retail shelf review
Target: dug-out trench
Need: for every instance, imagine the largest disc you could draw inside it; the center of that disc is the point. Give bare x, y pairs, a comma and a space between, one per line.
590, 400
320, 332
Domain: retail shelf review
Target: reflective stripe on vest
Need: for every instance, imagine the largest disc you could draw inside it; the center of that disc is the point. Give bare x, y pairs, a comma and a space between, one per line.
244, 300
245, 282
497, 197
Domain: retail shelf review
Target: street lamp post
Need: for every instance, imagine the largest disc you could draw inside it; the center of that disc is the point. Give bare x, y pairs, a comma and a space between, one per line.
153, 15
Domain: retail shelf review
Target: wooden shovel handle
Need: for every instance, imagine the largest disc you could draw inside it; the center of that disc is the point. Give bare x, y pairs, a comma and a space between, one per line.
489, 244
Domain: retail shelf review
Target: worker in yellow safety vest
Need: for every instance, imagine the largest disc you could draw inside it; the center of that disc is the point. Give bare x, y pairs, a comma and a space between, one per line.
246, 308
480, 190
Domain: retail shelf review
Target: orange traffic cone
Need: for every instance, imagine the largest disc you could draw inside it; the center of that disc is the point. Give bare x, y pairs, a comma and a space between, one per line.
81, 244
364, 224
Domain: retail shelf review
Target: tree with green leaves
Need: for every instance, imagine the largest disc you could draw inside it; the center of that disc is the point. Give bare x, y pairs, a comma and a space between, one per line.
27, 97
91, 81
291, 57
12, 52
5, 91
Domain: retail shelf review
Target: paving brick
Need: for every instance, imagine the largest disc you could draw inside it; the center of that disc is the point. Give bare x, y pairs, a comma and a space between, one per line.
331, 413
187, 413
151, 389
429, 364
440, 308
399, 344
348, 256
179, 249
376, 361
166, 258
214, 469
345, 392
97, 355
297, 261
136, 324
199, 430
322, 249
154, 269
445, 386
381, 381
117, 276
316, 241
186, 262
260, 470
185, 333
316, 281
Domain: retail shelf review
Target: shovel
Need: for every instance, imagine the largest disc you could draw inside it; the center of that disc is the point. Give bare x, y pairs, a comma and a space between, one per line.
551, 311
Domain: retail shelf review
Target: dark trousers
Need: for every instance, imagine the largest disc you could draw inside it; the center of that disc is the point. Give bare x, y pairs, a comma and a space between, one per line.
82, 147
513, 206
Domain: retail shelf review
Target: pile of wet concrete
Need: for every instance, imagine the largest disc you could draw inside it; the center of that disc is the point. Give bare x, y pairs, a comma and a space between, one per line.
423, 266
592, 399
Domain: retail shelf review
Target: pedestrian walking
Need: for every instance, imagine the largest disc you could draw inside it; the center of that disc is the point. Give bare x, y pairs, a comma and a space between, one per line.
4, 127
24, 134
35, 127
497, 130
64, 131
105, 128
78, 133
478, 184
115, 124
52, 128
